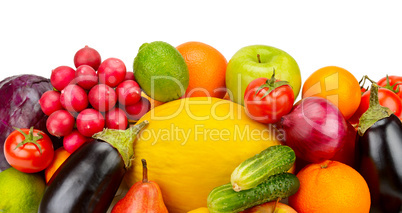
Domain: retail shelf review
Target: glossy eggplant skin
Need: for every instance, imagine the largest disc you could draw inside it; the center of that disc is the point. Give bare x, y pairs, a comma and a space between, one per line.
380, 163
86, 182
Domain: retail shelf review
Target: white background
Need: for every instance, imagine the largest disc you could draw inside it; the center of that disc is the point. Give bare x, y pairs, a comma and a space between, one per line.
364, 37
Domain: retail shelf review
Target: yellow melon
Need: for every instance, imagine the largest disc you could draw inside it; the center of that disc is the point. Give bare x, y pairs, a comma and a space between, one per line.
192, 145
200, 210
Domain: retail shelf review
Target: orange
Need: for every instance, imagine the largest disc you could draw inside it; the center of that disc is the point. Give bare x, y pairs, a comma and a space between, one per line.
207, 69
337, 85
60, 155
331, 186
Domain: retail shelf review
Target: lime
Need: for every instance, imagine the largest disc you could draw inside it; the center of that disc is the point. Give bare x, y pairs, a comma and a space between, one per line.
20, 192
161, 71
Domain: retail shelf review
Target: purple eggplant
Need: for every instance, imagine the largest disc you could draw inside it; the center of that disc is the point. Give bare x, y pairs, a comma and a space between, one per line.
89, 179
379, 152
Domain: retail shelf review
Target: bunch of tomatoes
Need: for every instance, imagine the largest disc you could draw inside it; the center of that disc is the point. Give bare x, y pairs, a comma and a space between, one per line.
389, 95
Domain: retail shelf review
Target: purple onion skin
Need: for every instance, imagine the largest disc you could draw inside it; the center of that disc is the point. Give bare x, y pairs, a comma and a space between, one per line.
20, 107
315, 129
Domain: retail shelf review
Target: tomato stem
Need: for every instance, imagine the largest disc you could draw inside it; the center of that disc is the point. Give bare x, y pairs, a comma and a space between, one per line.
362, 82
29, 138
391, 87
363, 79
387, 86
144, 171
373, 82
271, 84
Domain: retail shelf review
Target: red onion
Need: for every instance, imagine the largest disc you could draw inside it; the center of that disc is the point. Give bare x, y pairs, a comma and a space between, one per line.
315, 129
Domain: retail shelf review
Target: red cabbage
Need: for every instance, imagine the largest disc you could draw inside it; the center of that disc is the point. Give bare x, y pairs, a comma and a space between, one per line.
20, 107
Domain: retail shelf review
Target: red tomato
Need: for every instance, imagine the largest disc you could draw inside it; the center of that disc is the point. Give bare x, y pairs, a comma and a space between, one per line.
28, 150
395, 82
273, 106
386, 98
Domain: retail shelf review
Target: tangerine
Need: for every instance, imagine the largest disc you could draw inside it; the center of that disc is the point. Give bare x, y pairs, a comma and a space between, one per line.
337, 85
207, 69
60, 155
331, 186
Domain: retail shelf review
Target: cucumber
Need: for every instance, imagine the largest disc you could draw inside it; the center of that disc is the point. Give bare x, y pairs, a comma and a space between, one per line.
223, 199
253, 171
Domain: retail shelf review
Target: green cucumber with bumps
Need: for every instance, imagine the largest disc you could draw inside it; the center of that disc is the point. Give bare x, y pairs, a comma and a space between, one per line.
253, 171
224, 199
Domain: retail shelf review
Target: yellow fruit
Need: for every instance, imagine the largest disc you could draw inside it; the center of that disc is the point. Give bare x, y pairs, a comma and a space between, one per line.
199, 210
192, 145
20, 192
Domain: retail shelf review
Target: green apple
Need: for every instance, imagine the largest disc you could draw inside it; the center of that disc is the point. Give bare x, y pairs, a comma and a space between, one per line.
258, 61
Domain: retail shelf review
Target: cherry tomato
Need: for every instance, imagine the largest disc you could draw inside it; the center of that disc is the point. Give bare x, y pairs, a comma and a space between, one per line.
363, 90
386, 98
266, 101
395, 82
28, 150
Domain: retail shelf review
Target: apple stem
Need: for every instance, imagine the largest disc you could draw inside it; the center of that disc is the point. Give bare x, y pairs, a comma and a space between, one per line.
277, 201
259, 59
